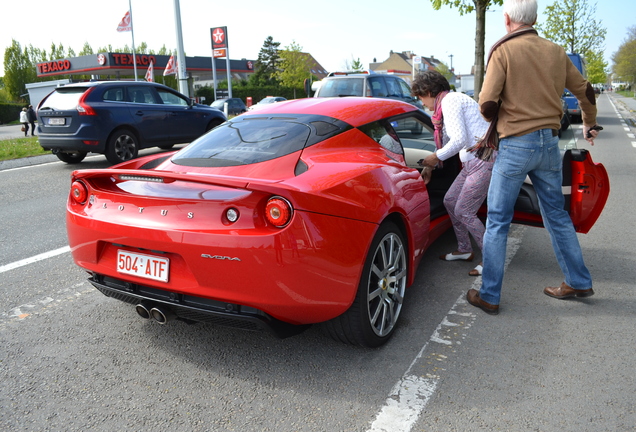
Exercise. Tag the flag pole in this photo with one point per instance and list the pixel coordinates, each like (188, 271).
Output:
(132, 32)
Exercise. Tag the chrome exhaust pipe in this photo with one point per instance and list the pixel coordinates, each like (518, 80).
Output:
(143, 310)
(162, 316)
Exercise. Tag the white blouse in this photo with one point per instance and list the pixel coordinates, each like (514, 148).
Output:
(463, 126)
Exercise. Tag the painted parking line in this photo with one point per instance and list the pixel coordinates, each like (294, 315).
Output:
(44, 304)
(410, 395)
(34, 259)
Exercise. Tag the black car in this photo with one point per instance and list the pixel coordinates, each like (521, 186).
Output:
(119, 118)
(235, 106)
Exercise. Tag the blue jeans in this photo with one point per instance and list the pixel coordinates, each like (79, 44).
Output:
(537, 155)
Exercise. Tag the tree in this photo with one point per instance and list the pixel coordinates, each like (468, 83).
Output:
(86, 50)
(356, 65)
(624, 59)
(445, 70)
(266, 66)
(353, 65)
(571, 24)
(18, 70)
(480, 7)
(596, 67)
(293, 66)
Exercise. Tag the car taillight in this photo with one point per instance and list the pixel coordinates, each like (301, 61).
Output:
(82, 107)
(79, 193)
(278, 211)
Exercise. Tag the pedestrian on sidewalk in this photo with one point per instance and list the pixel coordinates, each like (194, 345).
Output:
(525, 78)
(24, 119)
(32, 118)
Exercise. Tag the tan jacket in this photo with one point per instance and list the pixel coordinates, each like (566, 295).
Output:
(528, 74)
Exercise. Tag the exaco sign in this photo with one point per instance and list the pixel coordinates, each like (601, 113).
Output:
(127, 59)
(54, 66)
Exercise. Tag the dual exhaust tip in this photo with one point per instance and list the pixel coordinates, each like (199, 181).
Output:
(160, 314)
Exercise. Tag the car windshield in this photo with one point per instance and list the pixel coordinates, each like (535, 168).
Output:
(245, 142)
(63, 98)
(338, 87)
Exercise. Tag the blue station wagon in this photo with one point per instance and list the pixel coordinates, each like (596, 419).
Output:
(119, 118)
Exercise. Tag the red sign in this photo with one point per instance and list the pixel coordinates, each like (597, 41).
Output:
(219, 37)
(54, 66)
(127, 59)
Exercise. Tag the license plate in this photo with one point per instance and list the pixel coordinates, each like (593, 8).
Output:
(145, 266)
(57, 121)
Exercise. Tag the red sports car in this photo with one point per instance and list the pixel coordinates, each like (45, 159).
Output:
(308, 211)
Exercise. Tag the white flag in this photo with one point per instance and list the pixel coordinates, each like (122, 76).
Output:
(125, 25)
(171, 67)
(150, 73)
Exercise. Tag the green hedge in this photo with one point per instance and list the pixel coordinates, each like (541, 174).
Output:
(10, 112)
(256, 93)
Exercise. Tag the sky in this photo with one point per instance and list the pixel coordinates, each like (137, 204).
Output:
(334, 32)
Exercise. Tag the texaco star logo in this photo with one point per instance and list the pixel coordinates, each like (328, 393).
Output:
(101, 59)
(218, 35)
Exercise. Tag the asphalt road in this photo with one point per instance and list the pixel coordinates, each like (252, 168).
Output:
(73, 359)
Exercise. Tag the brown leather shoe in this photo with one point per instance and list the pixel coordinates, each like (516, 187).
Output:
(472, 296)
(564, 291)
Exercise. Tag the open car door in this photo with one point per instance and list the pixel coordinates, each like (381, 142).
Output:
(585, 183)
(585, 188)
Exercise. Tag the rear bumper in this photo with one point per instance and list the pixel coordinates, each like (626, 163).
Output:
(190, 308)
(292, 275)
(71, 142)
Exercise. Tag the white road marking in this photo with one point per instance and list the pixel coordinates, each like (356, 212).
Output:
(410, 395)
(634, 144)
(35, 307)
(44, 164)
(34, 259)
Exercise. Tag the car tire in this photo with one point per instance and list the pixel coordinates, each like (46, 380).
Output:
(371, 319)
(122, 146)
(71, 158)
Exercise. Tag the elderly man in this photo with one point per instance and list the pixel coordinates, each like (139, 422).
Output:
(521, 93)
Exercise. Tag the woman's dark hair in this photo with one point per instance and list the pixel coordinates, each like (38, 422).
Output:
(429, 82)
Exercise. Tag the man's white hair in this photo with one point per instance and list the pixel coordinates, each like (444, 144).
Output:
(521, 11)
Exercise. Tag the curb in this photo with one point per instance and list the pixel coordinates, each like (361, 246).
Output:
(27, 161)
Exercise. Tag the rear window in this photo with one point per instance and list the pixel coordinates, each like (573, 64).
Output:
(245, 142)
(218, 104)
(339, 87)
(63, 99)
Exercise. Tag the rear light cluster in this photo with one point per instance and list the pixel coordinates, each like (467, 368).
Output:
(278, 211)
(82, 107)
(79, 192)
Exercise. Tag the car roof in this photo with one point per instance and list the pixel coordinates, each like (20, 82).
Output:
(120, 83)
(355, 111)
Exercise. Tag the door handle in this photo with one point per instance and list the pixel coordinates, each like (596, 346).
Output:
(139, 113)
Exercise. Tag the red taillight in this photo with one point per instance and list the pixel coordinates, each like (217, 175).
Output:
(79, 193)
(82, 107)
(278, 211)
